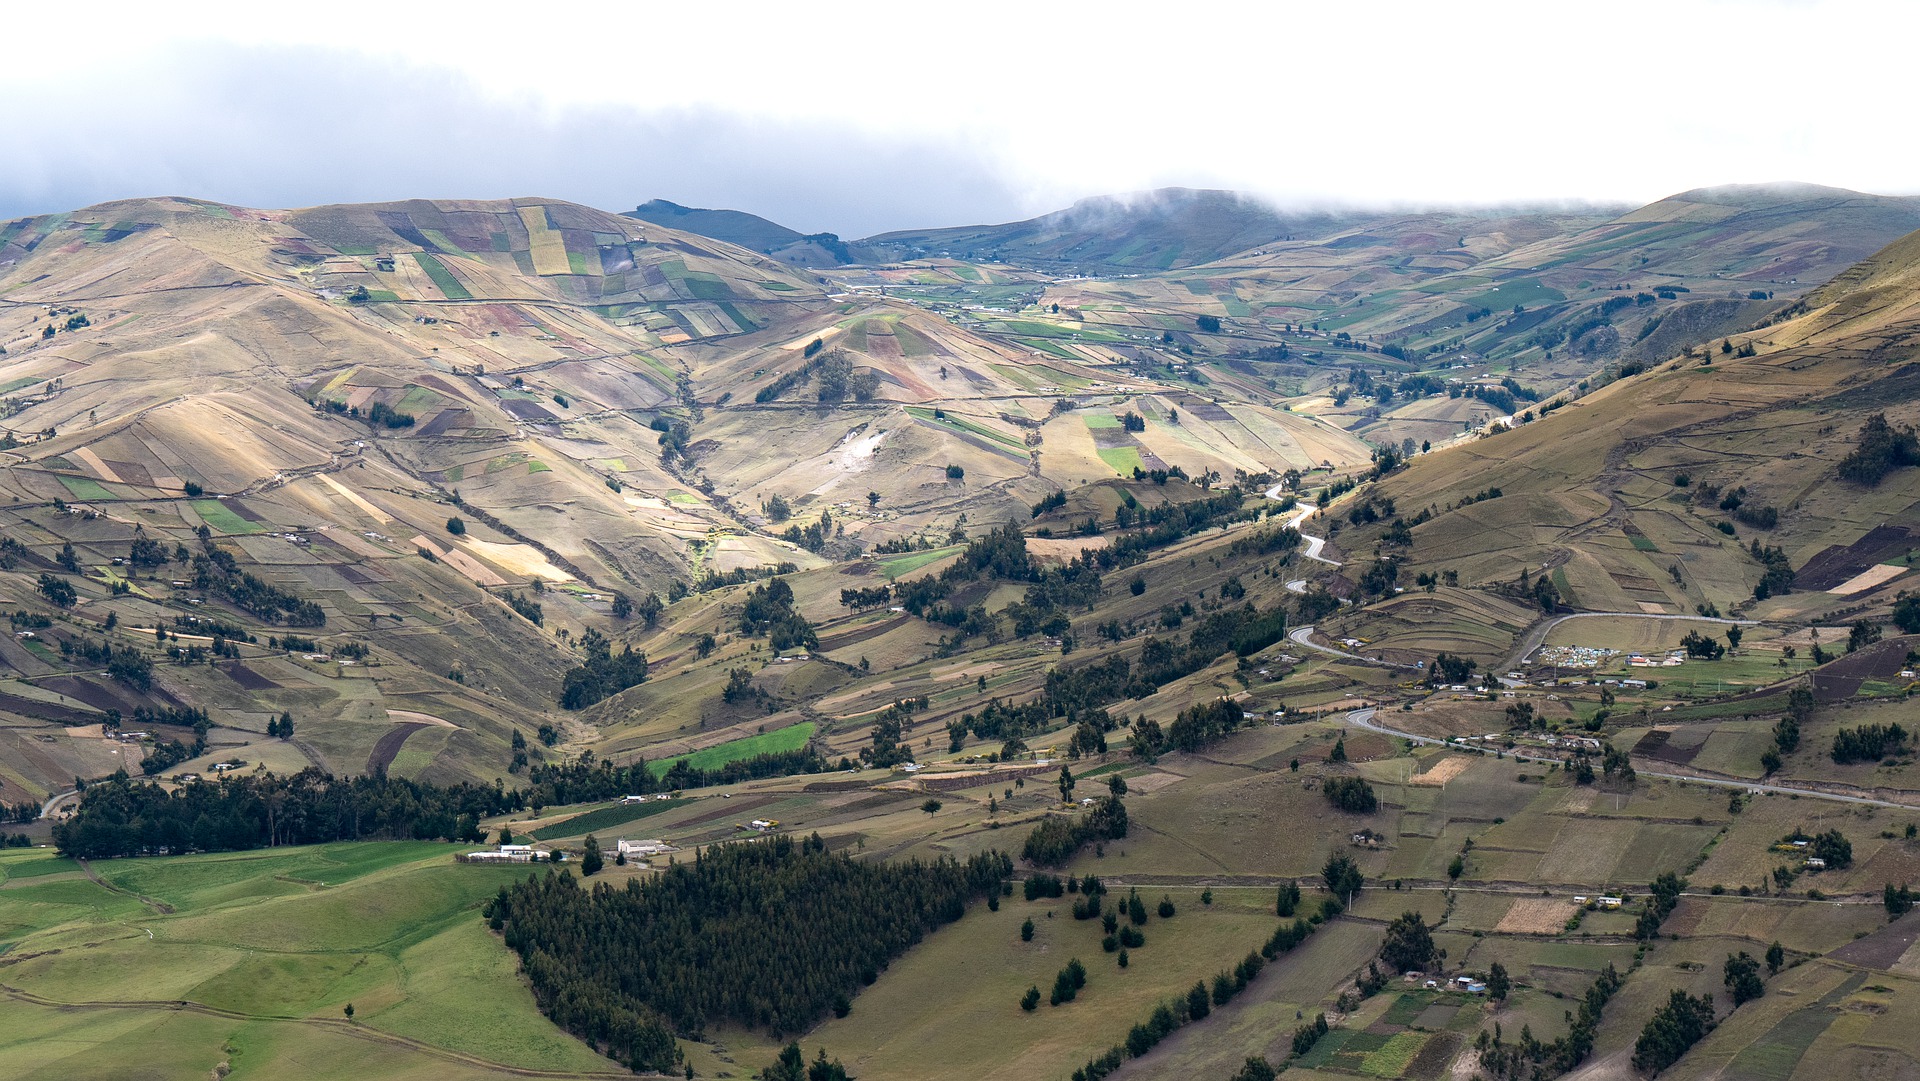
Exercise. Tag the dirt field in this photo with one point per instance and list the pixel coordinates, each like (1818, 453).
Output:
(1536, 916)
(1443, 771)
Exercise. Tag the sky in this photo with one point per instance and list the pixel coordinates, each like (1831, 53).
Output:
(858, 118)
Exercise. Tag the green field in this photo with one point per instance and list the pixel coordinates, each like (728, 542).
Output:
(218, 516)
(87, 488)
(1049, 347)
(908, 562)
(791, 738)
(278, 942)
(442, 277)
(1124, 460)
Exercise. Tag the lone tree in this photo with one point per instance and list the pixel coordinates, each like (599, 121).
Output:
(456, 526)
(1498, 983)
(348, 1011)
(591, 863)
(1343, 878)
(932, 806)
(1409, 944)
(1742, 977)
(1066, 784)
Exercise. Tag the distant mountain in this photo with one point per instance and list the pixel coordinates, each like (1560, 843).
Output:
(1157, 230)
(747, 230)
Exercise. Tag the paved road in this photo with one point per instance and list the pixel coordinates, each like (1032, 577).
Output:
(1303, 637)
(1363, 718)
(1531, 641)
(47, 807)
(1303, 511)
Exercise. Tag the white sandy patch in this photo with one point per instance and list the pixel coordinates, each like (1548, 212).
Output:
(853, 454)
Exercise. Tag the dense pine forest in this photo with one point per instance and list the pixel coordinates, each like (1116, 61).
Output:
(771, 934)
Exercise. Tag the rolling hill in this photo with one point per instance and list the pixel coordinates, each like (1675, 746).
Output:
(1684, 487)
(749, 231)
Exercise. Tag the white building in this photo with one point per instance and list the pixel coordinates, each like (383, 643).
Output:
(642, 849)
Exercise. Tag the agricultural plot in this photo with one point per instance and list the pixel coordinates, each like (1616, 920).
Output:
(606, 819)
(907, 562)
(443, 279)
(281, 941)
(218, 516)
(917, 1026)
(790, 738)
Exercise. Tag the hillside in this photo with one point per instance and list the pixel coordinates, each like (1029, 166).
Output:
(321, 397)
(1652, 492)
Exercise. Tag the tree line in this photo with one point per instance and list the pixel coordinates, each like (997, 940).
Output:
(123, 817)
(119, 817)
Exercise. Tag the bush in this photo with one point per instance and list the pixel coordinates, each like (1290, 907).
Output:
(1351, 794)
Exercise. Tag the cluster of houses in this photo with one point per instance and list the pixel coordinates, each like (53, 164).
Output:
(1551, 741)
(1463, 984)
(1603, 902)
(1573, 656)
(1670, 660)
(517, 853)
(1812, 863)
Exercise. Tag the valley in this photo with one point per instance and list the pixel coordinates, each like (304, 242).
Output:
(1331, 612)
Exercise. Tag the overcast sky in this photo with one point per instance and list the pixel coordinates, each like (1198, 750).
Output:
(857, 118)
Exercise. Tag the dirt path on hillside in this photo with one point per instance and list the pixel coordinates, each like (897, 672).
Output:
(160, 907)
